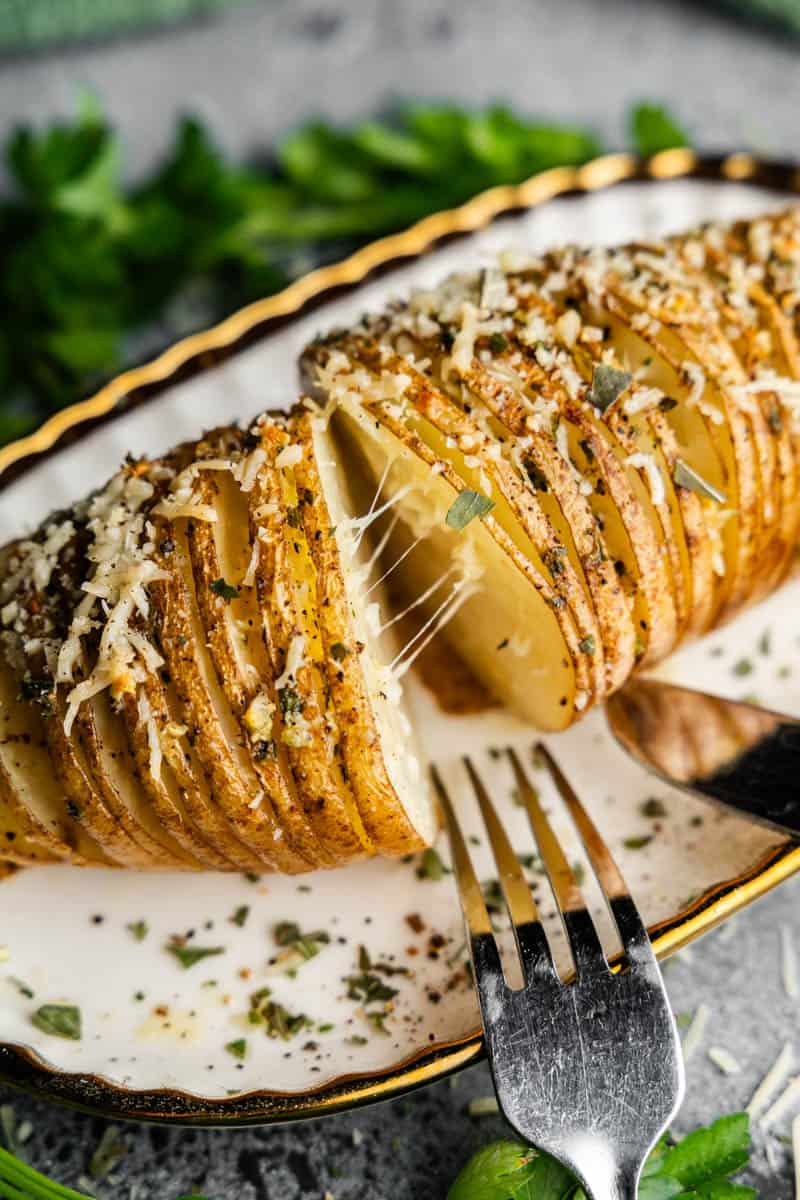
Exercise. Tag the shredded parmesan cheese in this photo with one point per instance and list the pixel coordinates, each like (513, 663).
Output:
(772, 1080)
(655, 481)
(694, 1034)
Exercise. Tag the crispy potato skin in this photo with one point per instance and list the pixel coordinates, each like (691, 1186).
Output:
(206, 613)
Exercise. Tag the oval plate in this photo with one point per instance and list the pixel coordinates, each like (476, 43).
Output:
(156, 1041)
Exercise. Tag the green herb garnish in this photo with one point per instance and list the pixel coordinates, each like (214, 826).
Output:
(188, 955)
(743, 667)
(653, 807)
(278, 1022)
(339, 651)
(466, 507)
(587, 645)
(637, 843)
(684, 476)
(700, 1165)
(226, 590)
(237, 1048)
(608, 384)
(305, 945)
(59, 1020)
(87, 261)
(289, 701)
(239, 915)
(654, 130)
(430, 866)
(138, 930)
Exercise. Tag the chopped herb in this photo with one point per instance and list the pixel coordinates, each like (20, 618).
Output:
(653, 807)
(493, 896)
(304, 945)
(293, 518)
(339, 651)
(278, 1022)
(579, 871)
(23, 988)
(108, 1154)
(685, 477)
(638, 843)
(775, 420)
(289, 701)
(265, 749)
(251, 877)
(587, 645)
(765, 643)
(226, 590)
(59, 1020)
(743, 667)
(356, 1040)
(466, 507)
(430, 866)
(237, 1048)
(138, 930)
(667, 403)
(608, 384)
(497, 343)
(326, 1027)
(188, 955)
(368, 988)
(239, 915)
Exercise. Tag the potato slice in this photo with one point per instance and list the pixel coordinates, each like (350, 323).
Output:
(766, 344)
(477, 459)
(307, 778)
(179, 791)
(378, 748)
(36, 822)
(742, 440)
(204, 709)
(526, 615)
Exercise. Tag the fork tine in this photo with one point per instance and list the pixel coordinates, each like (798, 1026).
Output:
(532, 944)
(633, 934)
(587, 952)
(489, 977)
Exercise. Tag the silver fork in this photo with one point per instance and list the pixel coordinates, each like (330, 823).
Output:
(590, 1070)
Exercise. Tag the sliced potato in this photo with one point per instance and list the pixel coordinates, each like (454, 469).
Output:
(378, 749)
(526, 616)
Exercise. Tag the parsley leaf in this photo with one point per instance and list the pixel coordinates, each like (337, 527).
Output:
(700, 1165)
(86, 262)
(226, 590)
(653, 130)
(59, 1020)
(188, 955)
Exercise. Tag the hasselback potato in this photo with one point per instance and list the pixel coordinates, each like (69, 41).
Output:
(564, 464)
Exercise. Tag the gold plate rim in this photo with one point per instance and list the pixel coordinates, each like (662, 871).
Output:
(21, 1067)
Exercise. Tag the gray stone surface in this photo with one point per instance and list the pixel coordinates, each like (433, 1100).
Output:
(252, 75)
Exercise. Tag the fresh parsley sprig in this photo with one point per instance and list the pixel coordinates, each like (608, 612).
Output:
(94, 274)
(698, 1167)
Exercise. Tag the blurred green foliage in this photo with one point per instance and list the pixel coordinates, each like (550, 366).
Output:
(86, 262)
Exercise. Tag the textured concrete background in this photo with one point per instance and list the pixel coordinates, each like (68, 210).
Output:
(252, 75)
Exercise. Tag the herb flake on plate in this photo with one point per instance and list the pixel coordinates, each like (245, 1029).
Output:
(59, 1020)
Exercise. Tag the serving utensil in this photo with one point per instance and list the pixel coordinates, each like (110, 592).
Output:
(734, 753)
(588, 1070)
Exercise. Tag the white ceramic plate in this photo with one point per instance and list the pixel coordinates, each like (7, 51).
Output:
(154, 1034)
